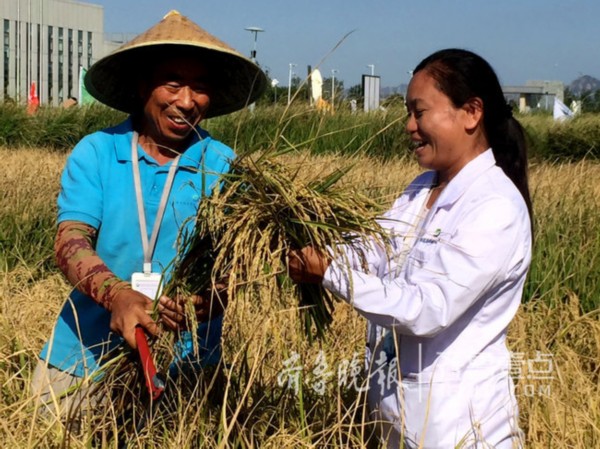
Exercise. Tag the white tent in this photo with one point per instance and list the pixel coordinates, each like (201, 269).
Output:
(561, 111)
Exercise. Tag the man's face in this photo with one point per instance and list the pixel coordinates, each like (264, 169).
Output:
(176, 99)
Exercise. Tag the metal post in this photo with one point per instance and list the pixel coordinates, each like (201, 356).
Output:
(274, 83)
(290, 82)
(254, 30)
(333, 72)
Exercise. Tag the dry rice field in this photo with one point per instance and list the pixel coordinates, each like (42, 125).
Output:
(555, 338)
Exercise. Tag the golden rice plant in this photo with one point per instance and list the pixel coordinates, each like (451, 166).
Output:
(560, 412)
(263, 208)
(260, 212)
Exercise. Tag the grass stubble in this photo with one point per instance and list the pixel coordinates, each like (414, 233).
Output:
(252, 402)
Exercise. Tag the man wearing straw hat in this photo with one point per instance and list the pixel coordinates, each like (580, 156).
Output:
(128, 191)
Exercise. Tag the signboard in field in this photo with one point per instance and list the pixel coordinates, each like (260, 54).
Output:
(370, 84)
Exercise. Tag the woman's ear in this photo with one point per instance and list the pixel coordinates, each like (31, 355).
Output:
(474, 113)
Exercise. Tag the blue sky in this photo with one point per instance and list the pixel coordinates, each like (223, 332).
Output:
(522, 39)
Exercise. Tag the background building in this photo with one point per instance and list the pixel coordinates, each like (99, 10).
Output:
(535, 95)
(44, 45)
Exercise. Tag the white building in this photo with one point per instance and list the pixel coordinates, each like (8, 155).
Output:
(46, 42)
(535, 95)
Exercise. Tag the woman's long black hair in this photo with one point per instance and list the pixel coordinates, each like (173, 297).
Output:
(463, 75)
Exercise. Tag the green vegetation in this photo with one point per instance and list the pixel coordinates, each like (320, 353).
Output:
(380, 134)
(54, 128)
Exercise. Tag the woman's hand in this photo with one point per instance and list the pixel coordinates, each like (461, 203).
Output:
(208, 305)
(307, 265)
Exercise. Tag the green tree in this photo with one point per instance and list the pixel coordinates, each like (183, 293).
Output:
(339, 88)
(569, 96)
(299, 91)
(590, 100)
(355, 92)
(394, 100)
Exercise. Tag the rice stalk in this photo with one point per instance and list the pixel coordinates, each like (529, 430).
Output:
(560, 317)
(261, 211)
(263, 208)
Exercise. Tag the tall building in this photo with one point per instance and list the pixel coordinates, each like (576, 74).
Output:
(44, 45)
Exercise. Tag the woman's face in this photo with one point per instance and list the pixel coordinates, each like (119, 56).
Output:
(175, 99)
(438, 129)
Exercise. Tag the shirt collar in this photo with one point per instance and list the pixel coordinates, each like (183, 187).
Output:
(191, 157)
(464, 178)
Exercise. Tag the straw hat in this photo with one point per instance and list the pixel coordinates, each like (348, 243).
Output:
(237, 81)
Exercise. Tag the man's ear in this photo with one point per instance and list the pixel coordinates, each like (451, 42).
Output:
(143, 91)
(474, 113)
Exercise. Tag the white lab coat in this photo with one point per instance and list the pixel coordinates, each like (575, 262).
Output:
(443, 301)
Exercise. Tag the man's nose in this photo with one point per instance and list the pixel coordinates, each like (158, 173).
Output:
(185, 98)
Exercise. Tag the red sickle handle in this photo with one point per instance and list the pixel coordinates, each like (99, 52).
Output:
(153, 383)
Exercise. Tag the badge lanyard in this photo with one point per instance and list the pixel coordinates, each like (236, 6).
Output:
(148, 246)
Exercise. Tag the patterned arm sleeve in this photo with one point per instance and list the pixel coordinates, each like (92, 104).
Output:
(78, 260)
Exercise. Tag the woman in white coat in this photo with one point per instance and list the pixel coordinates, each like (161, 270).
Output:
(439, 306)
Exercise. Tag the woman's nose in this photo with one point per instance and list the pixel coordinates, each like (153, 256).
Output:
(411, 124)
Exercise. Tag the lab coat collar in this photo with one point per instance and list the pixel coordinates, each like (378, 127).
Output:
(459, 184)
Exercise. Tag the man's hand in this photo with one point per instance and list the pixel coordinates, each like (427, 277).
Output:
(206, 306)
(130, 308)
(307, 265)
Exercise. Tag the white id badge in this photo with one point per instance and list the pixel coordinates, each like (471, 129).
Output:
(147, 283)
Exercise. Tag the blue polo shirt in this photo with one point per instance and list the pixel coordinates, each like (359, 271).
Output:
(97, 189)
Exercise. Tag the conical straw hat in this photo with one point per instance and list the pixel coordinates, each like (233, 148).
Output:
(114, 79)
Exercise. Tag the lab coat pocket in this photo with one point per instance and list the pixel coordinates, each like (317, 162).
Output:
(419, 256)
(433, 410)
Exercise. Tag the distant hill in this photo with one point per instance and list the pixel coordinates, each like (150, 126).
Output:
(385, 92)
(584, 84)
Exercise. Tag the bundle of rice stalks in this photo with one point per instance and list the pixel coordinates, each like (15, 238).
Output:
(262, 210)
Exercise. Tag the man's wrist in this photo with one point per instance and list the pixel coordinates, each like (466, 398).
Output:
(108, 290)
